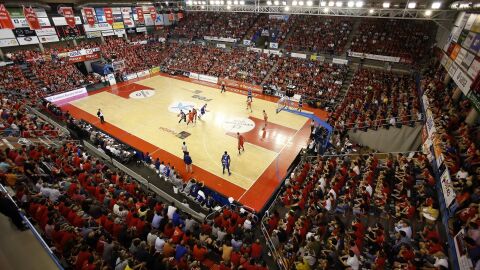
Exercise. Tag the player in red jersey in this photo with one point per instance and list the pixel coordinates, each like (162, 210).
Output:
(241, 140)
(194, 111)
(190, 117)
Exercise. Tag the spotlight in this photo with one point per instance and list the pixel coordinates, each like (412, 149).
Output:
(412, 5)
(436, 5)
(386, 5)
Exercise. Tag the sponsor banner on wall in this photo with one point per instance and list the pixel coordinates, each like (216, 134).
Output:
(299, 55)
(94, 34)
(108, 33)
(374, 57)
(119, 32)
(278, 17)
(143, 73)
(468, 40)
(108, 15)
(27, 40)
(69, 16)
(66, 32)
(89, 14)
(67, 95)
(231, 40)
(475, 46)
(31, 17)
(24, 32)
(47, 39)
(461, 250)
(276, 52)
(5, 19)
(463, 81)
(118, 25)
(430, 124)
(340, 61)
(60, 21)
(8, 42)
(221, 45)
(131, 76)
(117, 18)
(258, 50)
(467, 61)
(474, 69)
(46, 31)
(6, 33)
(273, 45)
(22, 22)
(97, 27)
(242, 85)
(207, 78)
(82, 55)
(470, 21)
(154, 70)
(452, 69)
(193, 75)
(461, 55)
(141, 29)
(447, 188)
(247, 42)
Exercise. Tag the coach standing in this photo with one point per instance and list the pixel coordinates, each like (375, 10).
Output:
(100, 115)
(226, 163)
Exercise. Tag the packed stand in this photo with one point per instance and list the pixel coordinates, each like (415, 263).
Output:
(13, 79)
(320, 219)
(97, 218)
(231, 25)
(195, 25)
(274, 27)
(316, 81)
(377, 99)
(460, 149)
(319, 34)
(194, 58)
(408, 39)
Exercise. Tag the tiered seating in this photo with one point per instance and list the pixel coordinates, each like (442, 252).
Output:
(195, 25)
(243, 66)
(460, 148)
(312, 79)
(194, 58)
(277, 28)
(231, 25)
(377, 99)
(406, 39)
(13, 79)
(98, 218)
(326, 200)
(319, 34)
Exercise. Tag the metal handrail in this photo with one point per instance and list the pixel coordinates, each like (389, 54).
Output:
(279, 259)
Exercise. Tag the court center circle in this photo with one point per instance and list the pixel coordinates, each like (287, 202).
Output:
(142, 94)
(238, 124)
(185, 106)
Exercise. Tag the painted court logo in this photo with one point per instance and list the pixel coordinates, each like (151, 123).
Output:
(142, 94)
(182, 105)
(238, 124)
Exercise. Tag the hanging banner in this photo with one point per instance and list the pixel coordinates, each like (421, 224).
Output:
(153, 13)
(140, 14)
(69, 17)
(89, 16)
(108, 15)
(5, 19)
(32, 19)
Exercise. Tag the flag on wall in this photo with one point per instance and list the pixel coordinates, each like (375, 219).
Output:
(89, 16)
(108, 15)
(5, 19)
(153, 13)
(140, 14)
(32, 19)
(69, 16)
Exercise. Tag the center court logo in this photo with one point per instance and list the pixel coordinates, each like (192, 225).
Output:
(142, 94)
(185, 106)
(238, 124)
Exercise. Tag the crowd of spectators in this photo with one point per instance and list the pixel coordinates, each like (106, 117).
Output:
(195, 25)
(459, 144)
(408, 39)
(320, 219)
(12, 78)
(319, 34)
(274, 27)
(314, 80)
(377, 98)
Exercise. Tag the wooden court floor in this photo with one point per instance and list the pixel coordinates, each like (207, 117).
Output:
(144, 114)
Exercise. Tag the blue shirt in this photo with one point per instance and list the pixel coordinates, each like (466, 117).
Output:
(226, 159)
(180, 251)
(187, 159)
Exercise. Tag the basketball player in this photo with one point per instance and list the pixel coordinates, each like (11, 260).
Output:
(194, 111)
(100, 115)
(249, 104)
(183, 117)
(226, 163)
(203, 110)
(241, 140)
(249, 95)
(300, 104)
(190, 117)
(224, 89)
(265, 118)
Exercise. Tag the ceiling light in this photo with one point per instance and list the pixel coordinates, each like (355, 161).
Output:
(235, 2)
(331, 4)
(242, 2)
(339, 4)
(350, 4)
(229, 7)
(203, 7)
(412, 5)
(309, 3)
(287, 8)
(300, 3)
(386, 5)
(276, 2)
(436, 5)
(269, 3)
(428, 13)
(294, 3)
(284, 3)
(371, 11)
(323, 3)
(229, 2)
(325, 10)
(359, 4)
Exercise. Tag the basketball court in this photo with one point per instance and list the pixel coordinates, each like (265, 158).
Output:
(144, 114)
